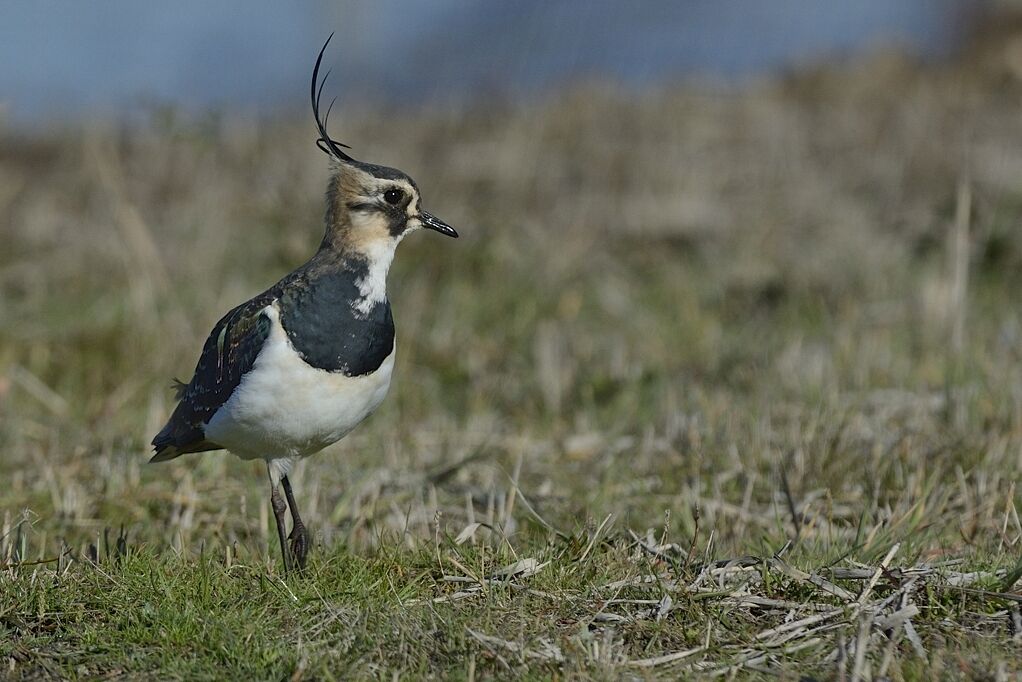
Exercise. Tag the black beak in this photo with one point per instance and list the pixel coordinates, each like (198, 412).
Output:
(431, 222)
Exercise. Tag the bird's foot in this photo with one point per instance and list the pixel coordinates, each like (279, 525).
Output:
(299, 538)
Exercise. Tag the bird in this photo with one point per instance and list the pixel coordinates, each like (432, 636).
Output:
(296, 368)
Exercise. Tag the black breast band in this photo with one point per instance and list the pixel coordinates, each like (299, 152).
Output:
(321, 321)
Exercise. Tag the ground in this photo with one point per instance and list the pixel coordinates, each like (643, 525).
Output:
(715, 381)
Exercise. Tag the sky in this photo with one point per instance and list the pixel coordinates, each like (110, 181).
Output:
(69, 60)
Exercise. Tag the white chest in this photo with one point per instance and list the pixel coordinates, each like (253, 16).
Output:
(285, 407)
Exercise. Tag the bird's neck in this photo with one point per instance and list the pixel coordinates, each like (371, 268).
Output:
(368, 262)
(376, 258)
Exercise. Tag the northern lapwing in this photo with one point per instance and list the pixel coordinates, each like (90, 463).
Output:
(294, 369)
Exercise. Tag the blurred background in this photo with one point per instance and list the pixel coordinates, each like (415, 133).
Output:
(704, 243)
(113, 58)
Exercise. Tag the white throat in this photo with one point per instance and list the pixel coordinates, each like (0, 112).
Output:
(373, 286)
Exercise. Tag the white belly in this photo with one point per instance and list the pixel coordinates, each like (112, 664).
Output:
(284, 407)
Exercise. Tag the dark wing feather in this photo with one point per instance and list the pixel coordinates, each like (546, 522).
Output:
(228, 354)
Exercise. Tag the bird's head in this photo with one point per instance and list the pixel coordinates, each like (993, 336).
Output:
(369, 207)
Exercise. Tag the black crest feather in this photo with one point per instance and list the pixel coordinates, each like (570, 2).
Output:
(325, 142)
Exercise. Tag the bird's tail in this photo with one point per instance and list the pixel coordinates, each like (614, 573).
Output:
(165, 445)
(169, 444)
(165, 454)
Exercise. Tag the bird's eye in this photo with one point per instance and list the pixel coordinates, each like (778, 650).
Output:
(393, 196)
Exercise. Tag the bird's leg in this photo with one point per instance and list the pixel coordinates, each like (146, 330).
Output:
(279, 507)
(299, 535)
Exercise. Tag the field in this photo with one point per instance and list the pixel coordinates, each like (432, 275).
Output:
(715, 382)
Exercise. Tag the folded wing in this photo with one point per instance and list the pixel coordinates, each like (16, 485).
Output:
(228, 354)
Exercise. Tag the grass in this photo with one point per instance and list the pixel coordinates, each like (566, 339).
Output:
(715, 382)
